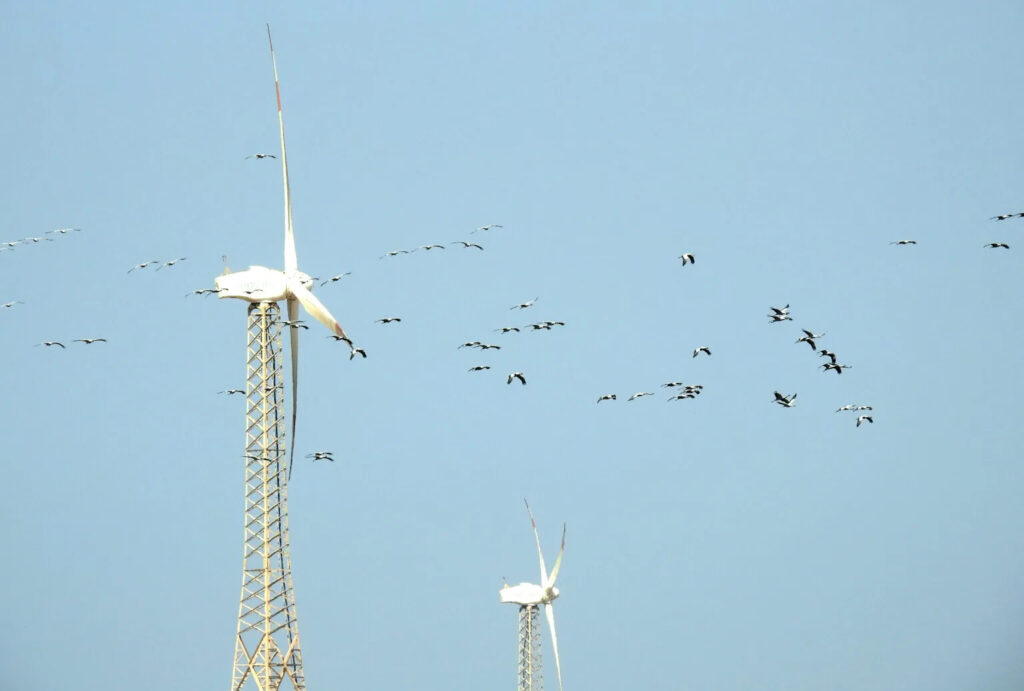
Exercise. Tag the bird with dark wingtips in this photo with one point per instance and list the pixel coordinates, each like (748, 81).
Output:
(702, 349)
(995, 245)
(785, 401)
(864, 418)
(607, 397)
(686, 258)
(517, 375)
(1003, 217)
(258, 156)
(89, 341)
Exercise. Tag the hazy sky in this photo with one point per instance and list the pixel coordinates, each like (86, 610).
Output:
(723, 543)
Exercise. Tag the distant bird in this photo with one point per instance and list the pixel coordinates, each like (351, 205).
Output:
(834, 366)
(487, 346)
(342, 338)
(171, 262)
(471, 344)
(467, 245)
(1003, 217)
(862, 418)
(539, 326)
(12, 303)
(863, 407)
(702, 349)
(683, 395)
(772, 318)
(261, 156)
(780, 310)
(478, 368)
(554, 323)
(392, 253)
(431, 247)
(524, 305)
(686, 259)
(64, 231)
(295, 324)
(143, 265)
(607, 397)
(506, 329)
(639, 394)
(321, 456)
(998, 244)
(335, 279)
(231, 392)
(356, 351)
(846, 407)
(387, 320)
(517, 375)
(202, 291)
(808, 341)
(785, 401)
(50, 343)
(827, 353)
(488, 227)
(903, 242)
(89, 341)
(10, 244)
(34, 240)
(811, 334)
(673, 383)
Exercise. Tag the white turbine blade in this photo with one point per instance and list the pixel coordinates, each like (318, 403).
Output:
(313, 306)
(558, 561)
(293, 314)
(291, 262)
(549, 612)
(540, 555)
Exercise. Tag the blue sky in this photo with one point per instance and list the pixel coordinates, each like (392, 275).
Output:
(720, 543)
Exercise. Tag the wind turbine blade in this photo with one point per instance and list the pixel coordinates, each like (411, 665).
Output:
(549, 612)
(293, 314)
(291, 262)
(313, 306)
(540, 555)
(558, 561)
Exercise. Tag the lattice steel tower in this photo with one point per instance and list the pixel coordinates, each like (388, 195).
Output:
(267, 651)
(530, 677)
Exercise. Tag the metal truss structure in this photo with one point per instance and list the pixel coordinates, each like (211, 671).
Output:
(530, 677)
(267, 652)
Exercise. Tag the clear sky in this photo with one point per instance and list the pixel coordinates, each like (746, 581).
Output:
(722, 543)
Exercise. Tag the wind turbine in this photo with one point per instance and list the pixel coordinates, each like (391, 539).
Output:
(267, 643)
(529, 597)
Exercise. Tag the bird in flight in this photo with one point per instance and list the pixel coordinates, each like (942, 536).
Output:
(1003, 217)
(834, 366)
(294, 323)
(89, 341)
(780, 310)
(431, 247)
(467, 245)
(335, 279)
(517, 375)
(639, 394)
(387, 320)
(231, 392)
(143, 265)
(506, 329)
(50, 343)
(809, 340)
(64, 231)
(488, 346)
(202, 291)
(684, 395)
(773, 318)
(702, 349)
(864, 418)
(321, 456)
(607, 397)
(12, 303)
(998, 244)
(261, 156)
(903, 242)
(827, 353)
(478, 368)
(524, 305)
(342, 338)
(686, 258)
(845, 408)
(356, 351)
(392, 253)
(471, 344)
(489, 226)
(171, 262)
(785, 401)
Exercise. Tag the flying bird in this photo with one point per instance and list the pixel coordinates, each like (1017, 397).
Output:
(471, 344)
(467, 245)
(89, 341)
(478, 368)
(702, 349)
(998, 244)
(335, 279)
(846, 407)
(683, 395)
(903, 242)
(863, 407)
(143, 265)
(834, 366)
(506, 329)
(387, 320)
(827, 353)
(12, 303)
(50, 343)
(202, 291)
(171, 262)
(517, 375)
(772, 318)
(489, 226)
(342, 338)
(294, 323)
(808, 340)
(607, 397)
(64, 231)
(785, 401)
(639, 394)
(863, 418)
(431, 247)
(487, 346)
(321, 456)
(231, 392)
(261, 156)
(780, 310)
(392, 253)
(1003, 217)
(356, 351)
(686, 259)
(524, 305)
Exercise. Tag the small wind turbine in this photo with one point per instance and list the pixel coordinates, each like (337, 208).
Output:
(529, 596)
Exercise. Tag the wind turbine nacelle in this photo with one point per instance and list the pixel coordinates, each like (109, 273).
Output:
(258, 284)
(526, 594)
